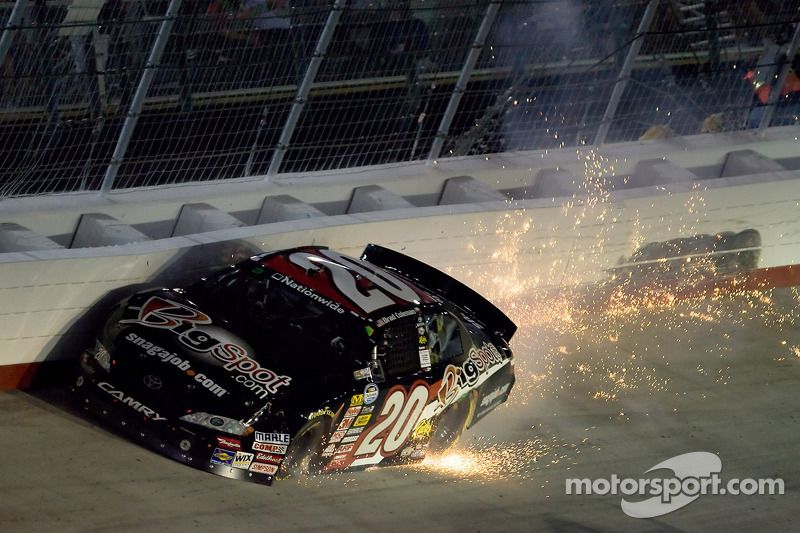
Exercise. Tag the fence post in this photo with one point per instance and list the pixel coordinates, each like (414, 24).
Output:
(775, 90)
(625, 73)
(8, 31)
(320, 50)
(463, 79)
(137, 101)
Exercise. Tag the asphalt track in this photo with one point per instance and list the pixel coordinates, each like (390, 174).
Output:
(602, 393)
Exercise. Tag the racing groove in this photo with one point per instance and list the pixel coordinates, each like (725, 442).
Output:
(601, 393)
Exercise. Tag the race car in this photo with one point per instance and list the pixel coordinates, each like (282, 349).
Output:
(664, 271)
(301, 361)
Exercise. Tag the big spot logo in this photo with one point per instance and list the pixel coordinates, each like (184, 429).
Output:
(480, 364)
(183, 321)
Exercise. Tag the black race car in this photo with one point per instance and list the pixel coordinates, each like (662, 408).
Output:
(301, 361)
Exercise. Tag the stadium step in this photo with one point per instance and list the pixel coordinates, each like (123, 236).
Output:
(98, 229)
(285, 207)
(16, 238)
(744, 162)
(375, 198)
(649, 172)
(202, 217)
(468, 190)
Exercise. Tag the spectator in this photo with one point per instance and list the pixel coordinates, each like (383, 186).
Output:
(401, 40)
(789, 94)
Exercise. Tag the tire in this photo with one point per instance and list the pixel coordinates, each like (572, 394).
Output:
(449, 425)
(304, 456)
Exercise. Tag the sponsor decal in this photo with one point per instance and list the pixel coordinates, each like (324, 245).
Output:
(370, 393)
(423, 430)
(394, 316)
(242, 460)
(183, 321)
(456, 379)
(208, 383)
(263, 468)
(362, 420)
(165, 356)
(129, 401)
(344, 448)
(355, 431)
(269, 458)
(357, 399)
(269, 448)
(223, 457)
(325, 411)
(351, 438)
(345, 423)
(230, 444)
(337, 436)
(425, 359)
(367, 410)
(418, 453)
(362, 373)
(353, 411)
(338, 462)
(306, 291)
(327, 452)
(272, 438)
(494, 395)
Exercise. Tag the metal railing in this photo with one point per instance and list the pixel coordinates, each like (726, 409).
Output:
(100, 95)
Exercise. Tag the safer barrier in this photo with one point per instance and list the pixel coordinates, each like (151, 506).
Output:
(52, 301)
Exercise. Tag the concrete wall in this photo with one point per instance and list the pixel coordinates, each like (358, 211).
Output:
(53, 300)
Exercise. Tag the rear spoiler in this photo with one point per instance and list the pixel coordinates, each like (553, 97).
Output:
(439, 283)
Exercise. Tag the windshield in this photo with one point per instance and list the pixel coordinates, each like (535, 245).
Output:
(278, 319)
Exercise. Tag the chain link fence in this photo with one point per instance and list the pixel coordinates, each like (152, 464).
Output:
(108, 94)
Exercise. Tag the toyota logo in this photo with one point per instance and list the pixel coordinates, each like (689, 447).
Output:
(152, 382)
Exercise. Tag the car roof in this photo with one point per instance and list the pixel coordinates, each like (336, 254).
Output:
(339, 281)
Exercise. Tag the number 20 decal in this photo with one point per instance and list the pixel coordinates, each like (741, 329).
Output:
(400, 414)
(342, 269)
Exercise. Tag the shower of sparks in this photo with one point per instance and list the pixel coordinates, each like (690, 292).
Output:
(512, 460)
(615, 337)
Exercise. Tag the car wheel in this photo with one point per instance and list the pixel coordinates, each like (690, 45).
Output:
(449, 425)
(304, 456)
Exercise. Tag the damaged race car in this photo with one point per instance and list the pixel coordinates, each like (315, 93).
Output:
(301, 361)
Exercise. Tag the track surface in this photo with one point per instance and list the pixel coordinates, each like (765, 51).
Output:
(612, 394)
